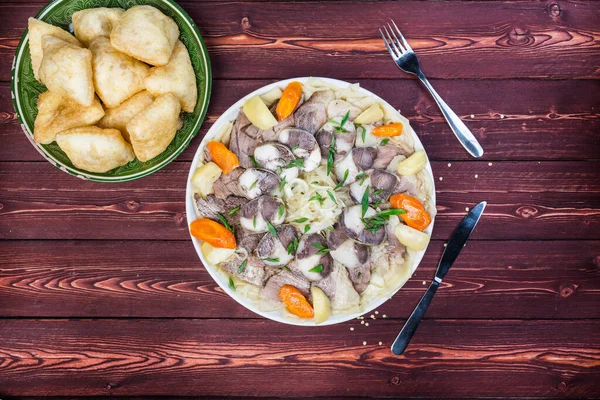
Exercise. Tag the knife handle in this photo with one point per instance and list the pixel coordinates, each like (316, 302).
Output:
(410, 327)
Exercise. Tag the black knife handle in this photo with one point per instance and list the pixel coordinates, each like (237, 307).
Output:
(410, 327)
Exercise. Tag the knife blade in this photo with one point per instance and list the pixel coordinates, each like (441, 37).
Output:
(456, 243)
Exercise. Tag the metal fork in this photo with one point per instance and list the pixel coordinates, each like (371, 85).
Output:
(406, 59)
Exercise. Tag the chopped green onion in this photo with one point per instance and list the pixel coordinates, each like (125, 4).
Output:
(363, 134)
(359, 274)
(301, 220)
(318, 268)
(384, 142)
(231, 284)
(282, 184)
(345, 119)
(361, 177)
(254, 161)
(365, 201)
(306, 228)
(331, 196)
(272, 229)
(293, 247)
(297, 162)
(254, 221)
(253, 185)
(242, 266)
(224, 222)
(317, 197)
(322, 249)
(280, 211)
(271, 259)
(341, 183)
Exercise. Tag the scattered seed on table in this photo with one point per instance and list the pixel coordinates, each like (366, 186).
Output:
(476, 176)
(351, 328)
(364, 343)
(490, 164)
(376, 312)
(466, 208)
(366, 324)
(384, 316)
(449, 165)
(362, 322)
(472, 116)
(424, 282)
(441, 178)
(501, 115)
(380, 343)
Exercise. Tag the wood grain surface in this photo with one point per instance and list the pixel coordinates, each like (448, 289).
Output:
(102, 293)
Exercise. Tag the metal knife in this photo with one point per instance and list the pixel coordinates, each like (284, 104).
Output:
(455, 244)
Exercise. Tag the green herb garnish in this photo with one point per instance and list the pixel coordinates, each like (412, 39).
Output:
(361, 177)
(345, 119)
(377, 221)
(293, 246)
(314, 183)
(234, 210)
(318, 268)
(242, 266)
(296, 162)
(331, 196)
(359, 274)
(282, 184)
(254, 221)
(272, 229)
(306, 228)
(225, 223)
(363, 134)
(318, 198)
(384, 142)
(331, 155)
(341, 183)
(254, 161)
(253, 185)
(231, 284)
(301, 220)
(322, 249)
(271, 259)
(280, 211)
(365, 201)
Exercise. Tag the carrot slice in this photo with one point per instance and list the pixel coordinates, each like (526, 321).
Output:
(416, 216)
(223, 157)
(289, 100)
(394, 129)
(213, 233)
(295, 302)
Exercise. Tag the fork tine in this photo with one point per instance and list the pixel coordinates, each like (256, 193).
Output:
(396, 40)
(394, 56)
(402, 37)
(398, 51)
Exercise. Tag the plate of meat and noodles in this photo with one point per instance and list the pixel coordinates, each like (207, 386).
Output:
(310, 201)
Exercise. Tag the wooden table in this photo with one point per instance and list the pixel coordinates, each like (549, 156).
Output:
(101, 292)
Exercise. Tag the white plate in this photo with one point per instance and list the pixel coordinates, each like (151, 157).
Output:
(230, 115)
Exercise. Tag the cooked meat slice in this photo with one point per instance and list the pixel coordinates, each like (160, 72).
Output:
(344, 138)
(271, 289)
(277, 158)
(364, 157)
(273, 251)
(244, 139)
(312, 255)
(338, 287)
(406, 185)
(211, 206)
(311, 115)
(382, 184)
(272, 135)
(229, 184)
(346, 251)
(256, 182)
(360, 277)
(254, 272)
(352, 223)
(303, 145)
(255, 214)
(339, 108)
(385, 155)
(246, 239)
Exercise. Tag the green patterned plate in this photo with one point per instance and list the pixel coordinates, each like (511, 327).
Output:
(26, 89)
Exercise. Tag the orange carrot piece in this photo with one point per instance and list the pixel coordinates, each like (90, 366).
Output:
(295, 302)
(394, 129)
(416, 216)
(223, 157)
(213, 233)
(289, 100)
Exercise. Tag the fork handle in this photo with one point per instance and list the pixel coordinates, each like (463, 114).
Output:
(412, 323)
(463, 134)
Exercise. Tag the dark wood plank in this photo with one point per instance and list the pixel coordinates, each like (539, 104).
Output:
(523, 120)
(453, 39)
(527, 201)
(166, 279)
(262, 358)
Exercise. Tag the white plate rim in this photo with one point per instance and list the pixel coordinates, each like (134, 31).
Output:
(276, 315)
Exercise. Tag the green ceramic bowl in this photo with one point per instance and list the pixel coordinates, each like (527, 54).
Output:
(26, 89)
